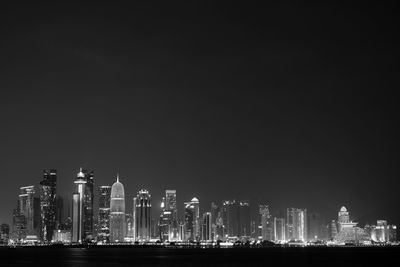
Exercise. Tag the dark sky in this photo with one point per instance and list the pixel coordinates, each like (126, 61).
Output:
(285, 104)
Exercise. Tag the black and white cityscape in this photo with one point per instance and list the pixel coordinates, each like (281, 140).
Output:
(199, 133)
(39, 219)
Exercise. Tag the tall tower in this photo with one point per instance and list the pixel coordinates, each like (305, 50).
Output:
(117, 212)
(206, 227)
(244, 218)
(26, 204)
(296, 222)
(265, 217)
(230, 217)
(192, 219)
(103, 234)
(142, 213)
(82, 200)
(48, 204)
(171, 207)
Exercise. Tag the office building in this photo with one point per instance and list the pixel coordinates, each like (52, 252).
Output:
(143, 214)
(48, 205)
(103, 232)
(296, 223)
(206, 227)
(192, 220)
(279, 229)
(117, 212)
(82, 199)
(26, 205)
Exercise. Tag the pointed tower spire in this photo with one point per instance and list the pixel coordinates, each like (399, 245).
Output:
(117, 177)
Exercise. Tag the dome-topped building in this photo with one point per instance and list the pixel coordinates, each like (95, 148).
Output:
(117, 212)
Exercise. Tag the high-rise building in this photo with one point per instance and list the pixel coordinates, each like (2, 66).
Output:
(18, 233)
(164, 222)
(244, 218)
(103, 232)
(279, 229)
(117, 212)
(26, 205)
(82, 226)
(296, 223)
(230, 216)
(265, 220)
(170, 203)
(171, 206)
(4, 233)
(192, 220)
(206, 227)
(48, 205)
(143, 215)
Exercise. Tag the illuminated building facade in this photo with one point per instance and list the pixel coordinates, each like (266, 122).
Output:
(230, 216)
(171, 206)
(206, 227)
(192, 220)
(265, 223)
(82, 201)
(26, 205)
(103, 232)
(143, 214)
(48, 205)
(279, 229)
(296, 224)
(117, 212)
(382, 232)
(164, 222)
(244, 218)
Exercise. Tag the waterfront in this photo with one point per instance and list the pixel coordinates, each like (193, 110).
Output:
(119, 256)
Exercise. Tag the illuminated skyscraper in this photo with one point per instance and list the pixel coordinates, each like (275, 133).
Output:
(26, 204)
(296, 223)
(279, 229)
(82, 199)
(206, 227)
(265, 218)
(230, 216)
(244, 218)
(103, 234)
(170, 205)
(117, 212)
(48, 204)
(164, 222)
(192, 219)
(129, 226)
(143, 214)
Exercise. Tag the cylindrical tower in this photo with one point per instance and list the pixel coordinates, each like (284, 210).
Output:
(117, 213)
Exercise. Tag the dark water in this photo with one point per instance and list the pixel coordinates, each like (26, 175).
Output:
(378, 256)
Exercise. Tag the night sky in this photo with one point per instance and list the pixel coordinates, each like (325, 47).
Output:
(292, 105)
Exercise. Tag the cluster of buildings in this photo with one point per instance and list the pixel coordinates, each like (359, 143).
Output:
(39, 219)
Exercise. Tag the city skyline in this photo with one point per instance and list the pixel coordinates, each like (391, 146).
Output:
(289, 105)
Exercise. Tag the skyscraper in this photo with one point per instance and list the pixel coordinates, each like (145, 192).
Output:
(103, 234)
(143, 209)
(206, 227)
(164, 222)
(82, 220)
(26, 205)
(244, 218)
(279, 229)
(230, 217)
(171, 206)
(192, 219)
(48, 204)
(296, 222)
(117, 212)
(264, 222)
